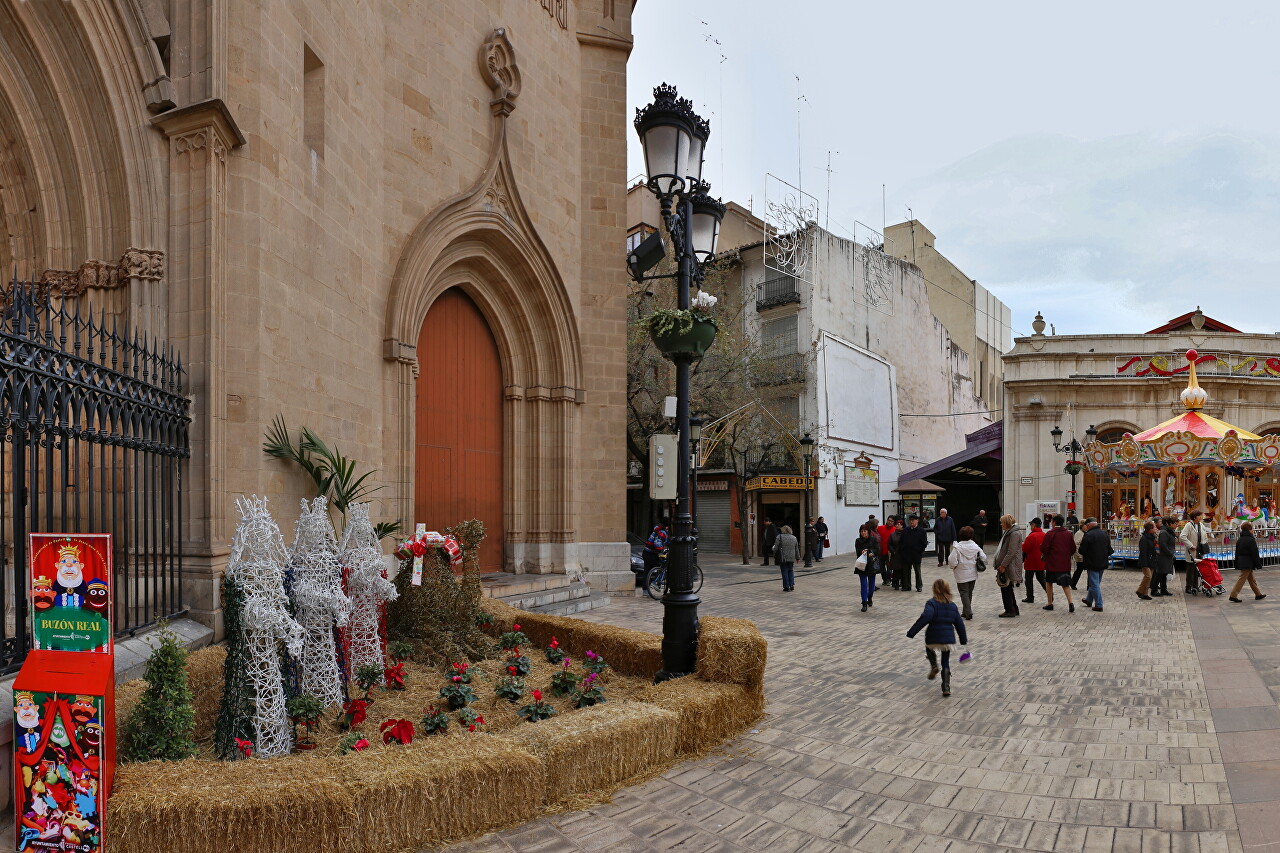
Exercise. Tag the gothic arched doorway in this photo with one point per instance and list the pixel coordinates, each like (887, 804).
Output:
(458, 465)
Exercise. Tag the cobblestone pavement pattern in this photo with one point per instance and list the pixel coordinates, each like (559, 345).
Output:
(1066, 732)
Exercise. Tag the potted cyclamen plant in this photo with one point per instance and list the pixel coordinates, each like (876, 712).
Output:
(688, 332)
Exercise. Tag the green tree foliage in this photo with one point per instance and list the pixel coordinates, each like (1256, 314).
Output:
(162, 724)
(235, 715)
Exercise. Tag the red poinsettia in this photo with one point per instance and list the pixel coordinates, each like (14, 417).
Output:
(395, 676)
(245, 747)
(360, 744)
(537, 695)
(400, 731)
(354, 713)
(555, 644)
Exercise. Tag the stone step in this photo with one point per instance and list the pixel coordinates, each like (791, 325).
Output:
(505, 585)
(574, 605)
(543, 598)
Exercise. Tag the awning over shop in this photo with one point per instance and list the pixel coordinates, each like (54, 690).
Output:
(980, 462)
(915, 487)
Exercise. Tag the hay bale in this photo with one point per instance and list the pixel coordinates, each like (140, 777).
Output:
(385, 798)
(204, 674)
(599, 747)
(709, 713)
(628, 651)
(732, 651)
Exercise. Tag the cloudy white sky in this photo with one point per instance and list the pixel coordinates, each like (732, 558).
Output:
(1112, 164)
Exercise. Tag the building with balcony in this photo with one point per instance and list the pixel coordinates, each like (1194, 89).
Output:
(889, 394)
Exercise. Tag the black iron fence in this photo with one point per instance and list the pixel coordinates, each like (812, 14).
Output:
(780, 290)
(94, 423)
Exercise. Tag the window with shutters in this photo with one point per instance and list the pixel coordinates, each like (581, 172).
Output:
(780, 336)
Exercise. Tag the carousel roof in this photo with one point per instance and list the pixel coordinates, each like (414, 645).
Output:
(1199, 425)
(1191, 438)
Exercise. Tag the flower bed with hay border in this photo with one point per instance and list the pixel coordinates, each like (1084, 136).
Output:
(444, 787)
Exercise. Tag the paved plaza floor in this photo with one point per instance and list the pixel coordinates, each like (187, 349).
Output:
(1151, 727)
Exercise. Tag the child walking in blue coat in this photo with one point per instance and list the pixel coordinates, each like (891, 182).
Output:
(943, 620)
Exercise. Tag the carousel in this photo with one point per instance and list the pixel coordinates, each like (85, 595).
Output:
(1192, 461)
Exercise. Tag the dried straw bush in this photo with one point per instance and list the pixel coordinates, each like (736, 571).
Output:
(732, 651)
(709, 713)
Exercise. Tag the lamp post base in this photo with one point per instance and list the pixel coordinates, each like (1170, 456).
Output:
(679, 635)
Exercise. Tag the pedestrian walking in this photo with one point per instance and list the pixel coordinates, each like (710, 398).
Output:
(1057, 550)
(893, 562)
(1095, 557)
(786, 550)
(1078, 536)
(944, 535)
(1032, 562)
(884, 531)
(820, 541)
(810, 541)
(979, 525)
(1195, 538)
(1247, 561)
(770, 534)
(1166, 557)
(911, 547)
(867, 550)
(654, 546)
(964, 561)
(1009, 565)
(1148, 548)
(941, 621)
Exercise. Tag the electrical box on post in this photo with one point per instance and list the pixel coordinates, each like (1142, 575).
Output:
(664, 461)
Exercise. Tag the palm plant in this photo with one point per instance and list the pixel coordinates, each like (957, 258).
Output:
(333, 474)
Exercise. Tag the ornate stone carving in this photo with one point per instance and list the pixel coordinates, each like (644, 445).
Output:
(142, 263)
(558, 9)
(198, 140)
(498, 65)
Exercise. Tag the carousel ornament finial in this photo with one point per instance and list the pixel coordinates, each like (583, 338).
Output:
(1193, 396)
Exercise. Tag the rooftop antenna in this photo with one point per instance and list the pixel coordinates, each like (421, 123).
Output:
(829, 153)
(800, 100)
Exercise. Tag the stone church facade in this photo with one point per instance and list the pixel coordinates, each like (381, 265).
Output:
(284, 191)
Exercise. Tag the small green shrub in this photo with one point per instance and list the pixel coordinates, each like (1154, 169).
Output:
(162, 724)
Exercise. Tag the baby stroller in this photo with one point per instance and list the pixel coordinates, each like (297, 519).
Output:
(1210, 577)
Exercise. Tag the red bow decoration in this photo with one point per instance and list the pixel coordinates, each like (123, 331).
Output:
(400, 731)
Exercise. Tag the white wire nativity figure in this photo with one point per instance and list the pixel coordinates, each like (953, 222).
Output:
(257, 563)
(318, 601)
(368, 587)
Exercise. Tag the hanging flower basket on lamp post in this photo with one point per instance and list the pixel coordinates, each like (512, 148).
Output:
(1073, 468)
(676, 332)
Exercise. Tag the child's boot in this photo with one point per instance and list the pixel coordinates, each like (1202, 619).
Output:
(946, 682)
(933, 664)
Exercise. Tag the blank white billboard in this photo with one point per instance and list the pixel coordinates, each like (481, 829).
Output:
(859, 391)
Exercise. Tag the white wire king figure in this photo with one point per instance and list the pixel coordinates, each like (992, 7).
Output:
(318, 600)
(369, 590)
(257, 563)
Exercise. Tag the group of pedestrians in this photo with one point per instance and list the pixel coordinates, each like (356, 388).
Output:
(891, 551)
(1158, 556)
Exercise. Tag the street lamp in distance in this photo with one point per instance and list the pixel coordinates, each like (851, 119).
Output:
(807, 444)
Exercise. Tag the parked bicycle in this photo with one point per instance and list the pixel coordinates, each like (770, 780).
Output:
(655, 580)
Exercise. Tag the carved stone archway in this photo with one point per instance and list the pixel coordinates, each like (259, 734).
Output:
(484, 242)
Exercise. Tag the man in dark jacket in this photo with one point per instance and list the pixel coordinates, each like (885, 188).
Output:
(1095, 556)
(1166, 557)
(820, 529)
(979, 525)
(770, 538)
(911, 548)
(944, 534)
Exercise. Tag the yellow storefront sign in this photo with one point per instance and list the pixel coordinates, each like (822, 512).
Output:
(756, 484)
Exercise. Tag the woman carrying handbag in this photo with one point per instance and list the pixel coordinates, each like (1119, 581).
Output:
(867, 547)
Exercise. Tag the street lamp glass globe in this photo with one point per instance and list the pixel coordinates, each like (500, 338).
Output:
(666, 128)
(707, 215)
(697, 148)
(1056, 432)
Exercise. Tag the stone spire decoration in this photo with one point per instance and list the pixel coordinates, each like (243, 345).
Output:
(369, 589)
(318, 600)
(257, 564)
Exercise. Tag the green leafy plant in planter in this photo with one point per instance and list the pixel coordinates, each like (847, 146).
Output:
(457, 695)
(680, 332)
(435, 721)
(513, 639)
(470, 718)
(352, 742)
(1073, 468)
(521, 663)
(564, 682)
(163, 723)
(368, 677)
(554, 653)
(510, 688)
(537, 709)
(594, 664)
(591, 693)
(304, 710)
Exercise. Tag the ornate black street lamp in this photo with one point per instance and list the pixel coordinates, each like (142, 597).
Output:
(674, 138)
(1074, 448)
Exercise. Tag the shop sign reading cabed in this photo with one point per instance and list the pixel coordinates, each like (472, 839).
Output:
(781, 483)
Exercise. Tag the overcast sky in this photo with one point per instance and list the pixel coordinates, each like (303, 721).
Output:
(1112, 164)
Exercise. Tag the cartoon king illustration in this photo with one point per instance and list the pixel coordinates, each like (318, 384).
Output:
(96, 597)
(70, 576)
(26, 713)
(42, 594)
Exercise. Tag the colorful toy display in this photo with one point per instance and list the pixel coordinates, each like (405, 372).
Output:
(64, 698)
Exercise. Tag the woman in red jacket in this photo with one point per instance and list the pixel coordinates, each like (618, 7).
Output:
(1057, 548)
(1032, 562)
